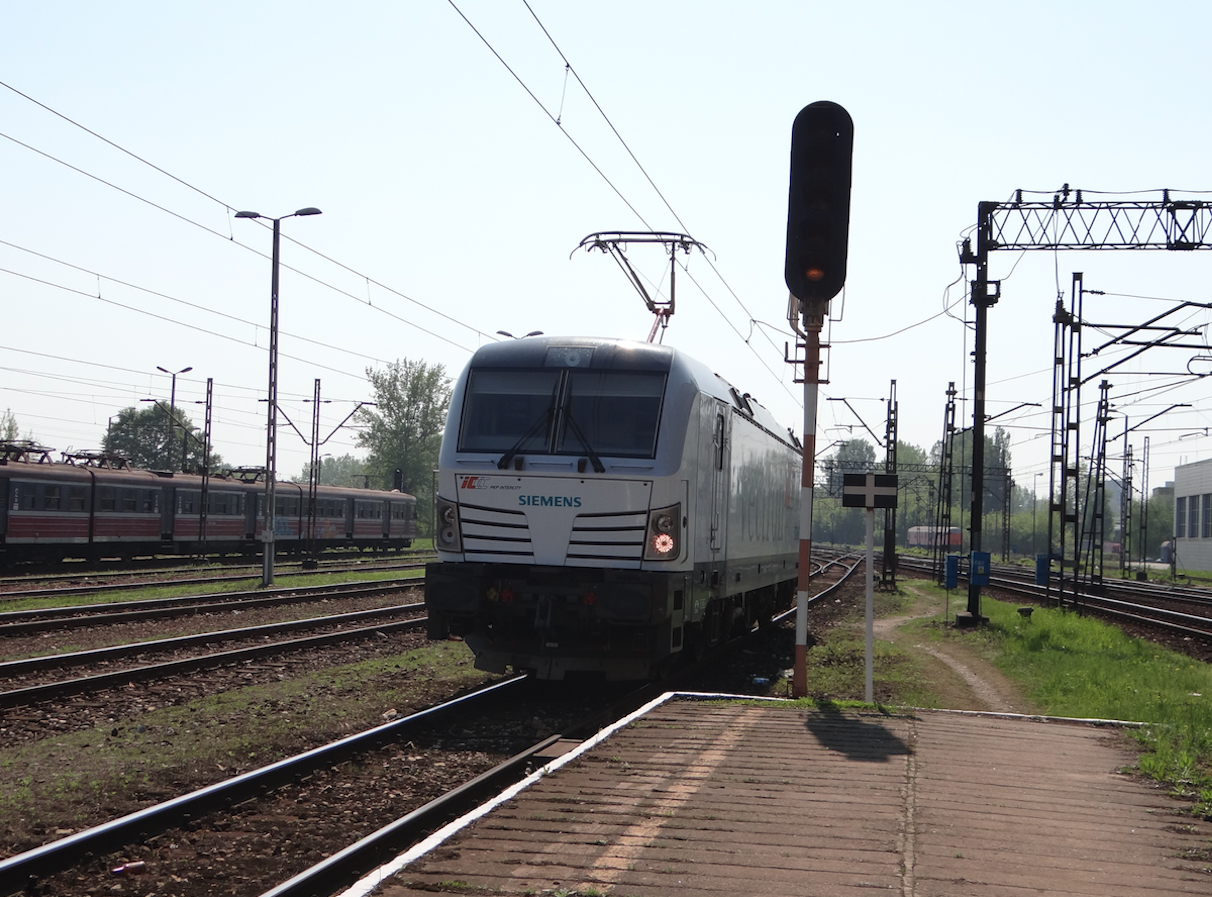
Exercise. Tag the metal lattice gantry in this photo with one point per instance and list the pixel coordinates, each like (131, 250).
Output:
(1069, 220)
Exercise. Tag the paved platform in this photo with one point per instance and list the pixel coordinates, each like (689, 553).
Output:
(723, 799)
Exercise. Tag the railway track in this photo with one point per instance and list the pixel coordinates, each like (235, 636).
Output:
(268, 792)
(385, 622)
(37, 868)
(25, 871)
(85, 586)
(19, 576)
(1183, 612)
(37, 620)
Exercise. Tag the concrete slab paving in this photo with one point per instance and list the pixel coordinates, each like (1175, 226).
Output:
(737, 799)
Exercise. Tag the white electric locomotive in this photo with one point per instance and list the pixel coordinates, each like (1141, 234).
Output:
(605, 505)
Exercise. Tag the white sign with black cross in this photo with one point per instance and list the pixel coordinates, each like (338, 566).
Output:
(870, 491)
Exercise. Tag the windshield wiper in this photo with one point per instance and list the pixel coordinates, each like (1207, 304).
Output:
(598, 466)
(534, 428)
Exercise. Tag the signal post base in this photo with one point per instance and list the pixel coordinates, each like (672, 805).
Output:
(968, 620)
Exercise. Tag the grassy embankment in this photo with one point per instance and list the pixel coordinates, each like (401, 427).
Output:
(1066, 665)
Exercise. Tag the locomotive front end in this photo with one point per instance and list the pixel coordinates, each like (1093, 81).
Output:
(561, 518)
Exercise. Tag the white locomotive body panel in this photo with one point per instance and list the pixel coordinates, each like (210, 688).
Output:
(604, 505)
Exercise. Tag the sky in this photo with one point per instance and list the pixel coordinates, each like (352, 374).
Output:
(460, 152)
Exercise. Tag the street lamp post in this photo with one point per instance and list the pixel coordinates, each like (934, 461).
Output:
(271, 442)
(172, 416)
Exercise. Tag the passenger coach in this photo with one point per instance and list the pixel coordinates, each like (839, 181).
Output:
(96, 507)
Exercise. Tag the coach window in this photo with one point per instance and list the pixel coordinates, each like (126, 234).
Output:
(50, 498)
(107, 498)
(77, 498)
(25, 496)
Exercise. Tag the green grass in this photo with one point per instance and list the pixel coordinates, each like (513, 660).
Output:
(1075, 666)
(835, 664)
(1067, 665)
(835, 670)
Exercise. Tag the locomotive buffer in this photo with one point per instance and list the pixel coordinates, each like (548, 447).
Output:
(870, 491)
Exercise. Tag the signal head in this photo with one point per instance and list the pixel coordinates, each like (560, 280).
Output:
(818, 203)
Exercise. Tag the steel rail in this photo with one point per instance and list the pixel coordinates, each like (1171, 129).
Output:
(105, 587)
(1116, 608)
(53, 691)
(346, 866)
(22, 871)
(24, 622)
(24, 666)
(332, 562)
(836, 562)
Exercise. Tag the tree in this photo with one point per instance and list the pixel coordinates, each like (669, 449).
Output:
(8, 426)
(831, 522)
(345, 470)
(151, 439)
(853, 456)
(404, 430)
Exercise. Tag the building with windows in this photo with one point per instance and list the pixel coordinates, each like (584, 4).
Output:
(1193, 515)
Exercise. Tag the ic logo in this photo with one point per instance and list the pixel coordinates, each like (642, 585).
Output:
(468, 482)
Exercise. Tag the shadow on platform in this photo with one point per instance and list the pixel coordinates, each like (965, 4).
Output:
(859, 738)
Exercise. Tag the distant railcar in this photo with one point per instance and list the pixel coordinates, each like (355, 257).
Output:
(53, 511)
(935, 537)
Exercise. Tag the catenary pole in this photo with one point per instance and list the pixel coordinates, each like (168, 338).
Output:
(813, 323)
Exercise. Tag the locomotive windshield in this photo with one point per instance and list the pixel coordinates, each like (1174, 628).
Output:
(562, 412)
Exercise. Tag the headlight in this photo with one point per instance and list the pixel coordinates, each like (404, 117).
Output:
(663, 538)
(448, 538)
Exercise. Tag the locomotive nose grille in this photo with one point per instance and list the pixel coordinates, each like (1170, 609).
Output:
(502, 534)
(492, 533)
(608, 537)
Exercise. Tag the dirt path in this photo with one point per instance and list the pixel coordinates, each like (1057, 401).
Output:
(962, 679)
